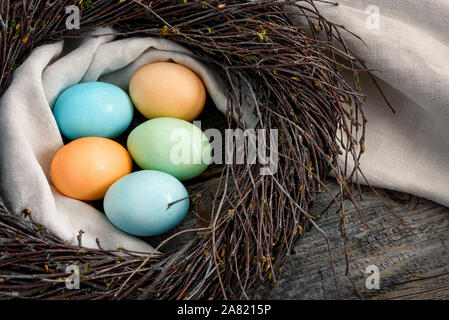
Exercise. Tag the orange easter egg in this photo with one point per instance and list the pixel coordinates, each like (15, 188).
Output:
(85, 168)
(166, 89)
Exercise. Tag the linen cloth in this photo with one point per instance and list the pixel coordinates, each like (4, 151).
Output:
(406, 151)
(29, 135)
(408, 42)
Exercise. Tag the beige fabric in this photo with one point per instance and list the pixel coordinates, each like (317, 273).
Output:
(30, 136)
(407, 151)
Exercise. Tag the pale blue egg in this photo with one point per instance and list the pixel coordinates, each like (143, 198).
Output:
(139, 203)
(93, 109)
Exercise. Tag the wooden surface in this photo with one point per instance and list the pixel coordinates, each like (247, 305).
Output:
(412, 255)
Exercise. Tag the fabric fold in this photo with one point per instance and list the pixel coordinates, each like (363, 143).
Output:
(407, 42)
(30, 137)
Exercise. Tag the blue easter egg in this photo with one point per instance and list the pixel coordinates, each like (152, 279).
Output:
(93, 109)
(139, 202)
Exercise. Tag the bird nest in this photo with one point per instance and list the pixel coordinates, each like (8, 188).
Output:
(244, 232)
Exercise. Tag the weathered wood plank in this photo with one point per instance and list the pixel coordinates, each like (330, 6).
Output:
(412, 256)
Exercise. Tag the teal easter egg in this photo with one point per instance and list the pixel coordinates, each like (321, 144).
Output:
(93, 109)
(142, 203)
(170, 145)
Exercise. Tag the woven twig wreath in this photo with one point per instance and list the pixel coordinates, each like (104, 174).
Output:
(294, 80)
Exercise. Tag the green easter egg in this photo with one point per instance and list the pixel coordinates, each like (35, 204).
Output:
(171, 145)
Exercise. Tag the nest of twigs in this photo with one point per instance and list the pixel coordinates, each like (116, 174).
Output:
(295, 80)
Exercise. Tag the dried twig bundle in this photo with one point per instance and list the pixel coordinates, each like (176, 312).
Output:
(294, 78)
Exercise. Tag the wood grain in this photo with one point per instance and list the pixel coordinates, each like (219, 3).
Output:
(412, 255)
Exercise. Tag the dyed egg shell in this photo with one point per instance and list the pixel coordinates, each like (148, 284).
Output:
(166, 89)
(139, 203)
(170, 145)
(85, 168)
(93, 109)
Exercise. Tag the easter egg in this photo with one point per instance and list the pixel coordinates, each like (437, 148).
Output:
(170, 145)
(144, 203)
(85, 168)
(93, 109)
(166, 89)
